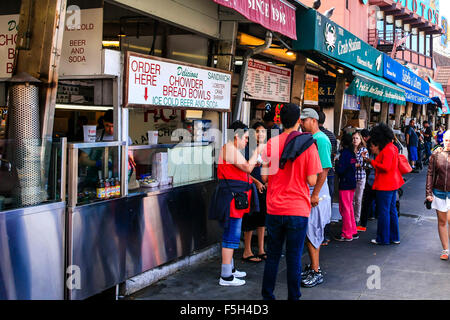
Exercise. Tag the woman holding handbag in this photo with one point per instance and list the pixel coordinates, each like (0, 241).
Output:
(234, 196)
(438, 191)
(388, 179)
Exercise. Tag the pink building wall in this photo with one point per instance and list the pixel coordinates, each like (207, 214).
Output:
(354, 19)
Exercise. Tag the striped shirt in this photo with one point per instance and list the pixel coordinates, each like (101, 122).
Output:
(333, 141)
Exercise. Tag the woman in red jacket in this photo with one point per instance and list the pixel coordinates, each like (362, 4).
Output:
(388, 180)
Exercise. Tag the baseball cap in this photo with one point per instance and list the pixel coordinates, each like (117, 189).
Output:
(309, 113)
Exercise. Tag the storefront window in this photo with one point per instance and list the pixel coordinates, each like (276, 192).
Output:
(389, 28)
(427, 45)
(422, 42)
(380, 24)
(25, 180)
(407, 30)
(414, 40)
(171, 147)
(98, 168)
(399, 29)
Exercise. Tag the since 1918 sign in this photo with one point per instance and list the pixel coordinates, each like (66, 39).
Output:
(153, 81)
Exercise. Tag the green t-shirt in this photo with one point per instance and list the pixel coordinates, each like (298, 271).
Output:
(324, 147)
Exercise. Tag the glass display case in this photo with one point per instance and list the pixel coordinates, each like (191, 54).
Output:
(94, 172)
(29, 177)
(162, 166)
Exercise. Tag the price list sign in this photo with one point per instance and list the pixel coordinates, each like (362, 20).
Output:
(153, 81)
(268, 82)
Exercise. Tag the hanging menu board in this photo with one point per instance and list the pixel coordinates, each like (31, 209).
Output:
(153, 81)
(311, 96)
(266, 81)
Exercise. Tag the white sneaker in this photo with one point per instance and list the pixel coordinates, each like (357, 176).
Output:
(239, 274)
(231, 283)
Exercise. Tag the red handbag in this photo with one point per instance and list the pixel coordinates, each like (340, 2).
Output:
(403, 164)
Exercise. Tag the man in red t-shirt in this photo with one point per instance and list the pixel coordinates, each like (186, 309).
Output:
(288, 199)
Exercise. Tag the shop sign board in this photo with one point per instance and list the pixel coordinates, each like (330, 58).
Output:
(269, 82)
(352, 102)
(391, 108)
(427, 9)
(275, 15)
(158, 82)
(327, 91)
(377, 107)
(9, 25)
(82, 42)
(446, 32)
(318, 33)
(399, 74)
(311, 95)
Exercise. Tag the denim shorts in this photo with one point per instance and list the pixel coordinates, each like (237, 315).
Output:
(413, 153)
(232, 234)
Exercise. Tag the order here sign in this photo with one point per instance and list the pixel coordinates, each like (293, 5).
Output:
(153, 81)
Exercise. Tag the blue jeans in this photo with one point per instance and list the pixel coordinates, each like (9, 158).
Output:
(388, 229)
(427, 150)
(293, 230)
(231, 237)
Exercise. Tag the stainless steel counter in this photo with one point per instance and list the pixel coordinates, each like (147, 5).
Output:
(114, 240)
(32, 252)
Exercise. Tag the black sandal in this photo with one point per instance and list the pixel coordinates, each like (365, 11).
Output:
(249, 259)
(263, 256)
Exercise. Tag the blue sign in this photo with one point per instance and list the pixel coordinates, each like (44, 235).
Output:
(352, 102)
(397, 73)
(416, 98)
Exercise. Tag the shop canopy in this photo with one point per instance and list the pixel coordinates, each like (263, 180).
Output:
(275, 15)
(368, 85)
(416, 97)
(437, 94)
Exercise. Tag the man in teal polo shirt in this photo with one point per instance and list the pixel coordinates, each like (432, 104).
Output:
(320, 199)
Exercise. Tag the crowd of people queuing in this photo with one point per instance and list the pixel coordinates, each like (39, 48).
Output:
(419, 142)
(285, 185)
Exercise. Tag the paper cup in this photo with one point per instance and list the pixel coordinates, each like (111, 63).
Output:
(152, 137)
(90, 133)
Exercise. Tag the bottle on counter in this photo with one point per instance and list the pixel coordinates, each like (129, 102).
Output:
(117, 187)
(100, 189)
(107, 189)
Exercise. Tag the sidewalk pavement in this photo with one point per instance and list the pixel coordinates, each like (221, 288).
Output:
(410, 270)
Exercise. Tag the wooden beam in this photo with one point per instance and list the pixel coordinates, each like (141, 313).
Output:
(398, 113)
(384, 112)
(227, 45)
(299, 79)
(39, 42)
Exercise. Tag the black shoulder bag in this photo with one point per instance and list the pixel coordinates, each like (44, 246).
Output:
(240, 198)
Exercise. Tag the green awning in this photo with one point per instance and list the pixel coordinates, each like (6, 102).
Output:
(368, 85)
